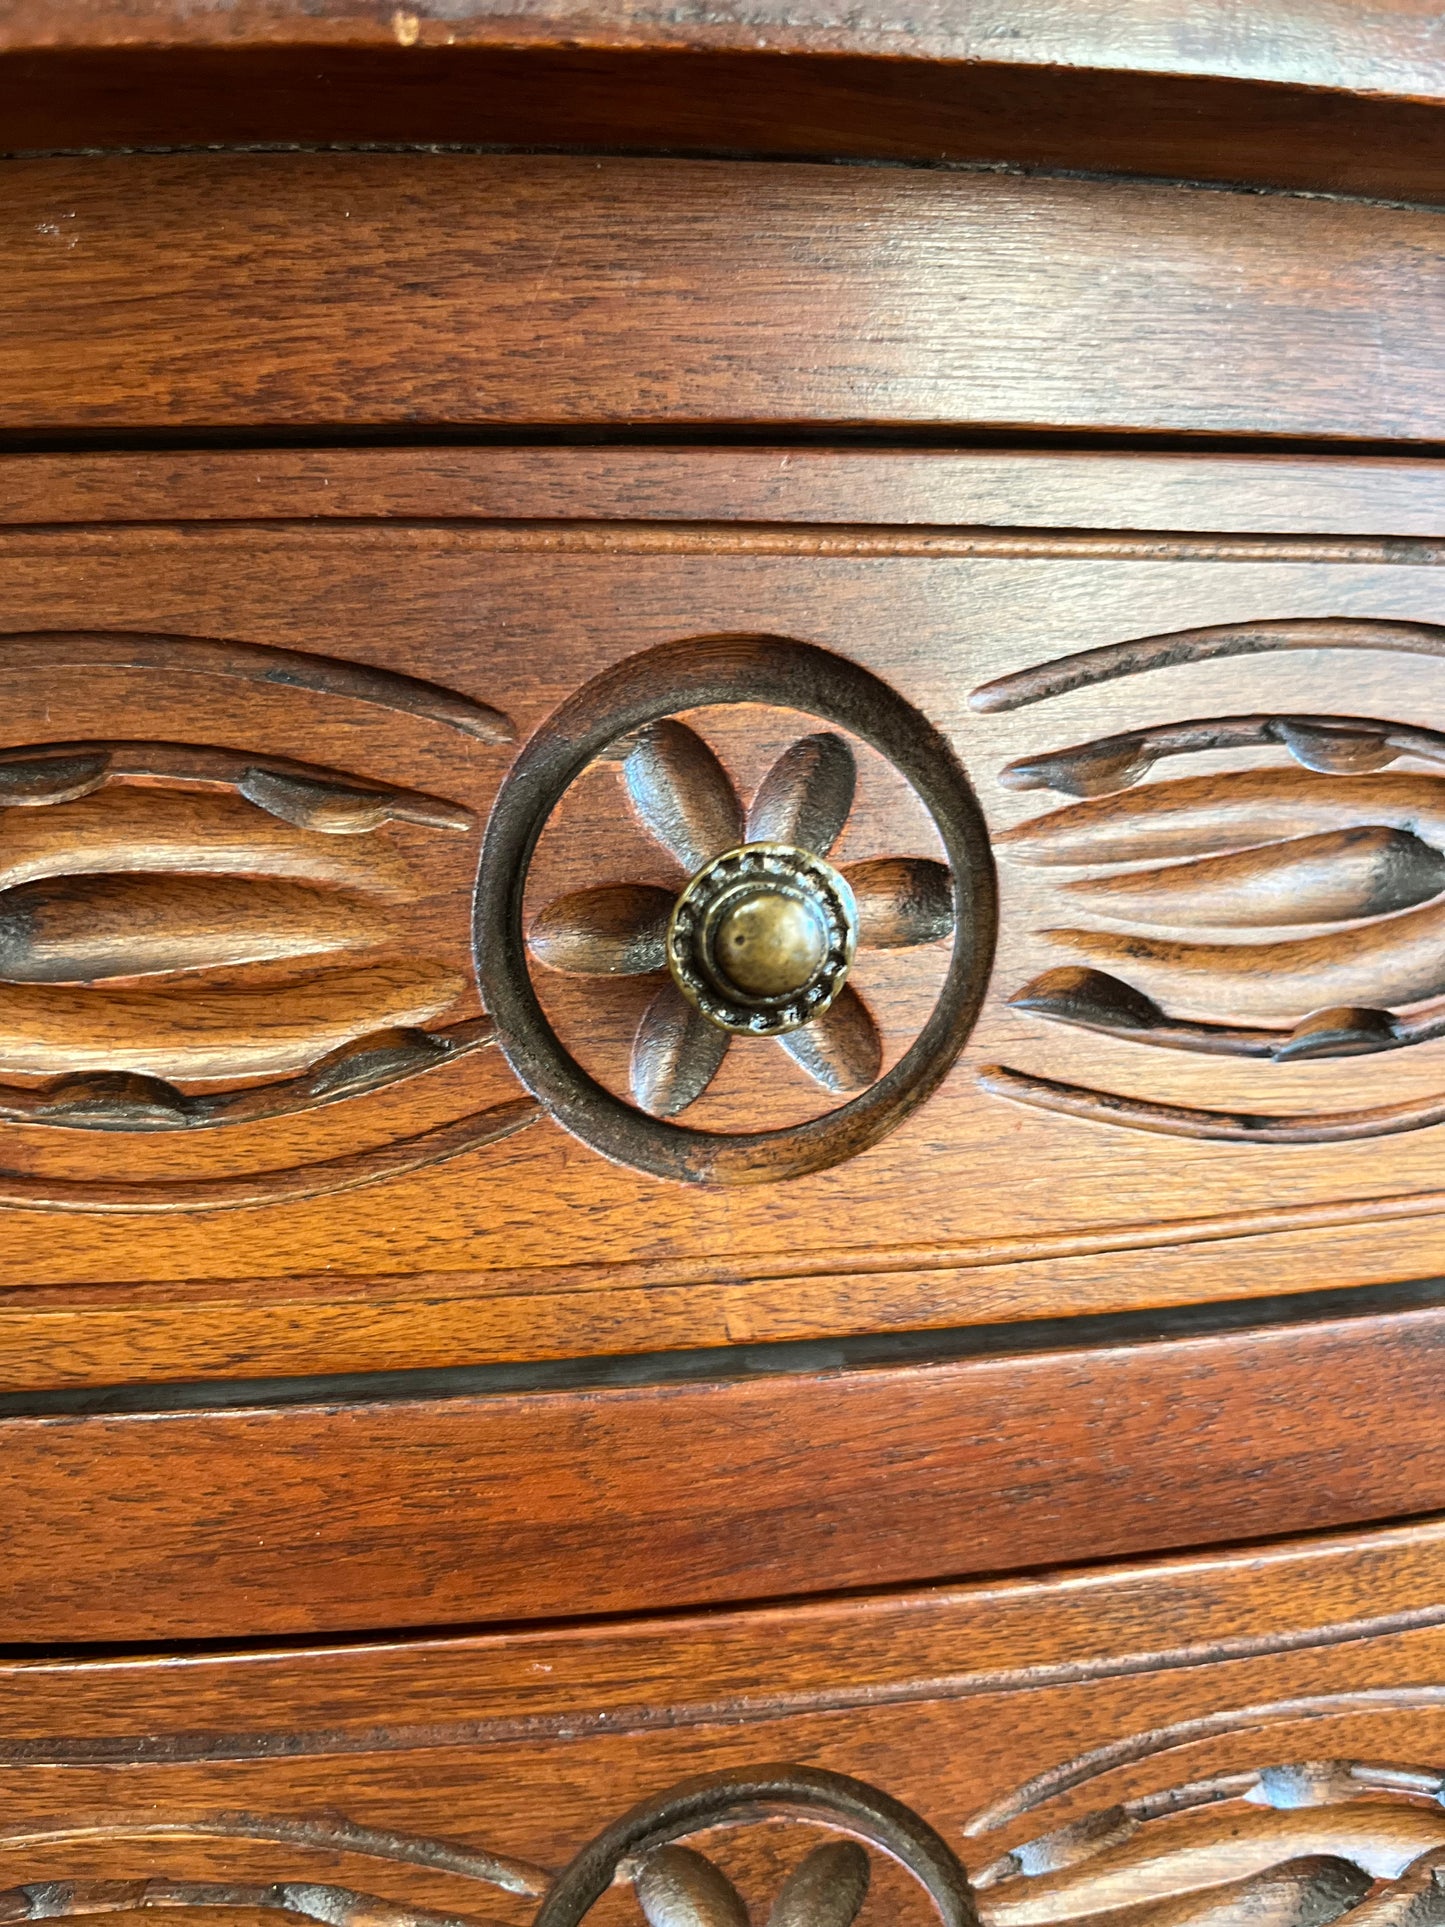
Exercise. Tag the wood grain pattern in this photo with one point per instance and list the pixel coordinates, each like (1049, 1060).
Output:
(517, 1505)
(1258, 494)
(1296, 93)
(488, 609)
(1008, 1713)
(327, 327)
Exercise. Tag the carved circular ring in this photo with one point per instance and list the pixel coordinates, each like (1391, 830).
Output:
(643, 689)
(762, 938)
(766, 1793)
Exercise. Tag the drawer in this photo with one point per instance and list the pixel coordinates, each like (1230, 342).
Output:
(1080, 1741)
(374, 820)
(705, 1478)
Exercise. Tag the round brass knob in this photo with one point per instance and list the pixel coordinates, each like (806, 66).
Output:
(762, 938)
(770, 944)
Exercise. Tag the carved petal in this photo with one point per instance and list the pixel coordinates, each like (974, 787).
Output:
(675, 1055)
(827, 1890)
(805, 797)
(683, 794)
(842, 1048)
(614, 930)
(902, 901)
(680, 1888)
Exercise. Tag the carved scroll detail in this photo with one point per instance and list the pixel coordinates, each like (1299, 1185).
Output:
(324, 800)
(256, 1188)
(674, 1885)
(1298, 1844)
(1091, 667)
(1222, 1127)
(255, 662)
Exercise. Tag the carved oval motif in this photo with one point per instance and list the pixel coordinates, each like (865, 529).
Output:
(1290, 911)
(197, 934)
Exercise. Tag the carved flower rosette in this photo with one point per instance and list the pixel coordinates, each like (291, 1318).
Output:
(755, 934)
(735, 913)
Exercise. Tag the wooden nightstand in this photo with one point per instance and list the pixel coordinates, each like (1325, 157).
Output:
(722, 966)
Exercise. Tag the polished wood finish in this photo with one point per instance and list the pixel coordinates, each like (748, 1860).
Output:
(909, 300)
(1294, 739)
(939, 491)
(1294, 94)
(356, 1515)
(999, 1710)
(523, 892)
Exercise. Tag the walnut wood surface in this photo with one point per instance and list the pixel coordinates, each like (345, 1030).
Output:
(534, 1247)
(1298, 93)
(936, 489)
(1386, 46)
(907, 298)
(514, 1505)
(1003, 1711)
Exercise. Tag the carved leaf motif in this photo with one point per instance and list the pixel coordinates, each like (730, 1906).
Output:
(1399, 960)
(680, 1888)
(675, 1055)
(825, 1890)
(1191, 1855)
(902, 901)
(332, 809)
(31, 782)
(86, 929)
(683, 794)
(1332, 878)
(1336, 752)
(1200, 815)
(1309, 1892)
(616, 929)
(842, 1048)
(805, 797)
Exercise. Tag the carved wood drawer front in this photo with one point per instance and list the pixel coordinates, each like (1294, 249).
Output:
(541, 902)
(1246, 1736)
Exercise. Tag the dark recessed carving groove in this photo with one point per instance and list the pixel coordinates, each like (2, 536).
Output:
(322, 800)
(255, 662)
(1091, 667)
(23, 1192)
(1225, 1127)
(1396, 960)
(1208, 815)
(330, 1835)
(1338, 876)
(90, 929)
(194, 1029)
(1093, 1000)
(1333, 745)
(126, 1101)
(291, 1899)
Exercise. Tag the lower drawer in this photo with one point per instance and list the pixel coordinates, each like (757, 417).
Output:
(1086, 1740)
(347, 1514)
